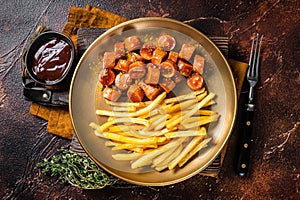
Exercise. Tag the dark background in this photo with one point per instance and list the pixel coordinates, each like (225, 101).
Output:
(274, 171)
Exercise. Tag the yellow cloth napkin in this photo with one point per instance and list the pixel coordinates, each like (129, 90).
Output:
(59, 122)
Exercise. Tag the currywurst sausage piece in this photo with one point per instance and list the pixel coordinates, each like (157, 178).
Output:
(173, 56)
(123, 81)
(137, 70)
(147, 51)
(195, 82)
(135, 93)
(122, 65)
(119, 49)
(132, 43)
(185, 68)
(166, 42)
(153, 74)
(186, 51)
(167, 84)
(198, 64)
(168, 68)
(150, 91)
(106, 77)
(109, 59)
(111, 94)
(158, 56)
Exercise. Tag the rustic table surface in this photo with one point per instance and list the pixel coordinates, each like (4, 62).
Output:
(274, 170)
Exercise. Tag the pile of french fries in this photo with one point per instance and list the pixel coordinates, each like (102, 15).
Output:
(163, 133)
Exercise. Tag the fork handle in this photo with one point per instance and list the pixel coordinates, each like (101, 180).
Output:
(244, 142)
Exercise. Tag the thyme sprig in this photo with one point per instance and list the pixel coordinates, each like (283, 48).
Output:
(78, 170)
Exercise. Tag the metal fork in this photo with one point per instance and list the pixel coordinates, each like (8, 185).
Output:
(245, 136)
(253, 68)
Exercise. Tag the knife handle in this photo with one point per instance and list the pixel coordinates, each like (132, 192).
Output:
(244, 142)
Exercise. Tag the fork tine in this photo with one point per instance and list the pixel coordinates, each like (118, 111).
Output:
(254, 57)
(258, 56)
(250, 59)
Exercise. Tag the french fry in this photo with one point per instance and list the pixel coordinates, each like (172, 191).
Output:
(194, 151)
(163, 165)
(131, 140)
(132, 146)
(125, 128)
(106, 125)
(127, 104)
(202, 121)
(207, 112)
(126, 156)
(201, 132)
(181, 106)
(149, 107)
(185, 151)
(184, 97)
(124, 109)
(145, 159)
(192, 111)
(162, 157)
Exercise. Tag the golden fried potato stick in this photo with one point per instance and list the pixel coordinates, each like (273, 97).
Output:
(162, 157)
(142, 111)
(147, 158)
(127, 104)
(191, 112)
(194, 151)
(189, 133)
(106, 125)
(149, 107)
(131, 140)
(163, 165)
(181, 106)
(127, 156)
(184, 97)
(125, 128)
(202, 121)
(207, 112)
(185, 151)
(124, 109)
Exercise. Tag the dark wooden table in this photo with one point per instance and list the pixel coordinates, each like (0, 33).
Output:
(274, 171)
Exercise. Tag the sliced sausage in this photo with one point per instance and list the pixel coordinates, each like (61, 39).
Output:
(150, 91)
(198, 64)
(195, 82)
(137, 70)
(177, 77)
(106, 77)
(135, 93)
(132, 43)
(153, 74)
(133, 57)
(167, 84)
(122, 65)
(186, 51)
(185, 68)
(111, 94)
(147, 51)
(158, 56)
(123, 81)
(173, 56)
(168, 68)
(119, 49)
(109, 59)
(166, 42)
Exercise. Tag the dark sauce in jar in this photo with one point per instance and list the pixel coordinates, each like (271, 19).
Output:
(52, 59)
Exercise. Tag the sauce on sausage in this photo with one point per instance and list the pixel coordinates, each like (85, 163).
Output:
(52, 59)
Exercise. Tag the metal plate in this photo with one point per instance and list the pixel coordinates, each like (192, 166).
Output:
(84, 99)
